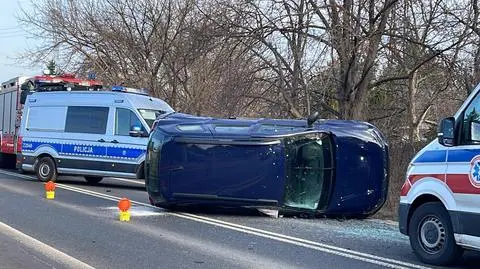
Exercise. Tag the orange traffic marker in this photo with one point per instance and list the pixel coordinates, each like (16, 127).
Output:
(124, 205)
(50, 190)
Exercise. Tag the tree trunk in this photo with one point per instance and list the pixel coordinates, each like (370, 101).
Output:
(412, 118)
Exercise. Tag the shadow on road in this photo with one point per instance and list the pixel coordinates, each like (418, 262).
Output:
(82, 183)
(470, 260)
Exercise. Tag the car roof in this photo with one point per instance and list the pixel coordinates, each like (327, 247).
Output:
(97, 98)
(188, 125)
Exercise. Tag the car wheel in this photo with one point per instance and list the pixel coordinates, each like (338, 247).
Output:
(46, 170)
(431, 235)
(93, 179)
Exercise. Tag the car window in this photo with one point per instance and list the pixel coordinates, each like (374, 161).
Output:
(40, 119)
(125, 119)
(471, 122)
(190, 128)
(231, 129)
(308, 165)
(86, 119)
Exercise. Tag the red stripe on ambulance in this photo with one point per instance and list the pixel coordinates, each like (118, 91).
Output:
(460, 183)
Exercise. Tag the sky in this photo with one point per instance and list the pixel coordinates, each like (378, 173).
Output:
(14, 41)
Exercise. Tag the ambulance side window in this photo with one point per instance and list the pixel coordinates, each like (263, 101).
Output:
(471, 123)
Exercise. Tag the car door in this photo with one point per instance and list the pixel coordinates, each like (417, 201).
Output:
(124, 147)
(463, 169)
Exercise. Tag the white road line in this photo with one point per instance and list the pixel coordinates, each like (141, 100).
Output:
(376, 261)
(138, 211)
(300, 240)
(365, 257)
(42, 248)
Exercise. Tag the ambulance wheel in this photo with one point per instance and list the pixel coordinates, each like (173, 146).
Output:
(431, 235)
(93, 179)
(46, 170)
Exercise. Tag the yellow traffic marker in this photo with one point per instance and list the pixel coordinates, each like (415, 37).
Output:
(124, 205)
(50, 190)
(124, 216)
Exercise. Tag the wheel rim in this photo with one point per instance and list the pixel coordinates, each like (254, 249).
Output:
(44, 170)
(432, 234)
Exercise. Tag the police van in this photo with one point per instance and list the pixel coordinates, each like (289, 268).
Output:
(440, 199)
(95, 134)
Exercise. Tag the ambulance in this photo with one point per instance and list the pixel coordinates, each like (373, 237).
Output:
(440, 199)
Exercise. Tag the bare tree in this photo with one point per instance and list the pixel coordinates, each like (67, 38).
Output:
(276, 32)
(422, 49)
(160, 45)
(355, 31)
(294, 37)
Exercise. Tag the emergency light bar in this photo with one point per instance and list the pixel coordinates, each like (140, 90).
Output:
(142, 91)
(68, 78)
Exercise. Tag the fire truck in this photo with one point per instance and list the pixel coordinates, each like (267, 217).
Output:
(13, 94)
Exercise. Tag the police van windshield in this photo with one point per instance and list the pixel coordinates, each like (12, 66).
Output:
(150, 115)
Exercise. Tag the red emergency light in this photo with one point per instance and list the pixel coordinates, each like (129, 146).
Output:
(67, 79)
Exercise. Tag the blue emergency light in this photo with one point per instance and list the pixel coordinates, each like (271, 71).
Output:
(118, 88)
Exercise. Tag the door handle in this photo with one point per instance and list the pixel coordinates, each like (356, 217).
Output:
(101, 140)
(114, 141)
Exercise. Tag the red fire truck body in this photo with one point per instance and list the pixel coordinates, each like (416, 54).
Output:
(12, 95)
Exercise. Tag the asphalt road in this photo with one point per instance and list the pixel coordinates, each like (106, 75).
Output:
(80, 229)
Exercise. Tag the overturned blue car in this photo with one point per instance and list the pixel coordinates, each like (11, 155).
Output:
(316, 167)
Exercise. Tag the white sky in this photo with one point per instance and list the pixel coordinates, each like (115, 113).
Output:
(14, 41)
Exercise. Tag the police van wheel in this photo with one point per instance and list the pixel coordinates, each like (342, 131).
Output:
(431, 235)
(46, 170)
(93, 179)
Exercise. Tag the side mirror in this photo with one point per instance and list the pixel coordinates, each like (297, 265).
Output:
(136, 131)
(446, 133)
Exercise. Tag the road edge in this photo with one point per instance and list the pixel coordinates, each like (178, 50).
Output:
(42, 248)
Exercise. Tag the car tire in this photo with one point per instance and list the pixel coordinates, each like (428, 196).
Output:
(431, 235)
(93, 179)
(46, 170)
